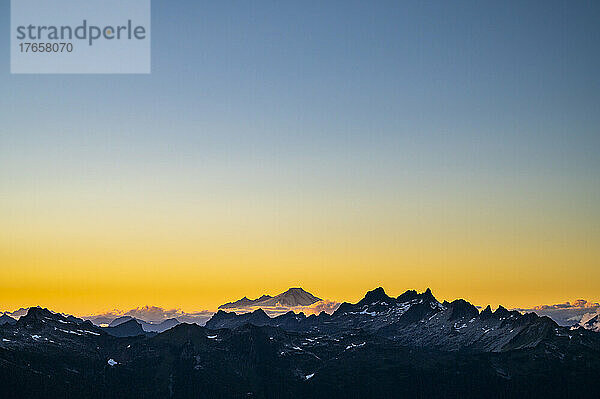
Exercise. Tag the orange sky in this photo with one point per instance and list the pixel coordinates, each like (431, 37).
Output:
(62, 253)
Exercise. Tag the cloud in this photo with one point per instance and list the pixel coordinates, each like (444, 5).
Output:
(156, 314)
(577, 304)
(199, 318)
(325, 305)
(153, 313)
(17, 313)
(588, 316)
(567, 313)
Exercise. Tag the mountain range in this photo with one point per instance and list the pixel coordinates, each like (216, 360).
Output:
(411, 345)
(580, 313)
(414, 319)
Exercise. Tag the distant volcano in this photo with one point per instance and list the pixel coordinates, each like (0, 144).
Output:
(290, 298)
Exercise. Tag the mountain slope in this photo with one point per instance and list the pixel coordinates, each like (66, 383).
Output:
(130, 328)
(6, 319)
(146, 326)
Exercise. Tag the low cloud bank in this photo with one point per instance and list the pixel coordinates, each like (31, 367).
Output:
(152, 314)
(17, 313)
(156, 314)
(326, 305)
(577, 304)
(567, 313)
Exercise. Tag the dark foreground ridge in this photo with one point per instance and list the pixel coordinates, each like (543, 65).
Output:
(381, 347)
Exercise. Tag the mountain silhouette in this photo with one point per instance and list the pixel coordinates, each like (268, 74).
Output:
(291, 298)
(146, 326)
(128, 328)
(120, 320)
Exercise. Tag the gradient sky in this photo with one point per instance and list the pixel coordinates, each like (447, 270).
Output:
(335, 145)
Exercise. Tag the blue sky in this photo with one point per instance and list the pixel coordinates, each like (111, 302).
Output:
(455, 106)
(516, 83)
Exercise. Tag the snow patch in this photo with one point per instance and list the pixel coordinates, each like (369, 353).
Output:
(369, 313)
(355, 345)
